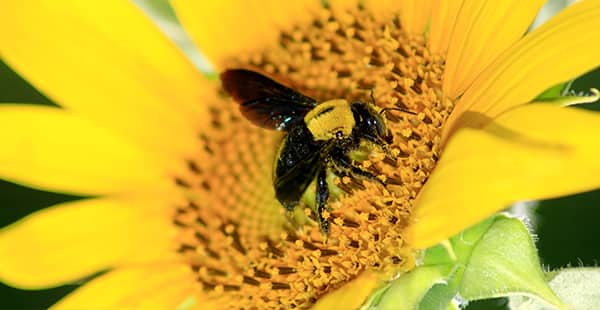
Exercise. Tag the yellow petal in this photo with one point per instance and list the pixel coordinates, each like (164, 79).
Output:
(160, 286)
(533, 152)
(483, 30)
(415, 14)
(351, 295)
(563, 48)
(230, 28)
(109, 62)
(443, 19)
(54, 149)
(67, 242)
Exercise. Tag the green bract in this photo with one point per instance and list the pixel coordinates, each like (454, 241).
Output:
(495, 258)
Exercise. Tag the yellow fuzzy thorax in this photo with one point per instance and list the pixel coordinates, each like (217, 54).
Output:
(329, 118)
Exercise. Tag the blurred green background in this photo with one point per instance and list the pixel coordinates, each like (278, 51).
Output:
(566, 229)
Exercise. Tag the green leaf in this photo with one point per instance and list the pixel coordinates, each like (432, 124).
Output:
(504, 262)
(438, 297)
(579, 288)
(570, 99)
(454, 255)
(563, 95)
(553, 92)
(495, 258)
(407, 291)
(439, 254)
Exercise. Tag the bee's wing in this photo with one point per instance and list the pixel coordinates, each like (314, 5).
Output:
(265, 102)
(290, 186)
(297, 164)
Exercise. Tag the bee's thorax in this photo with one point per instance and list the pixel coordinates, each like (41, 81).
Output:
(332, 119)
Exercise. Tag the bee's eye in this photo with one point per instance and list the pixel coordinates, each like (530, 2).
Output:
(339, 134)
(372, 122)
(378, 127)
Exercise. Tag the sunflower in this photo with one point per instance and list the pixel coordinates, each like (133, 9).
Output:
(182, 211)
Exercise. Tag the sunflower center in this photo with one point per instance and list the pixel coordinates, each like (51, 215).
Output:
(233, 232)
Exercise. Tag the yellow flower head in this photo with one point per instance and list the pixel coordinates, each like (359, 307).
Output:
(185, 212)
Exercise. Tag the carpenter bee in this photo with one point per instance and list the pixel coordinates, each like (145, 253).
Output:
(319, 135)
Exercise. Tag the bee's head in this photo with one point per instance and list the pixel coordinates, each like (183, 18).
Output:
(375, 125)
(370, 124)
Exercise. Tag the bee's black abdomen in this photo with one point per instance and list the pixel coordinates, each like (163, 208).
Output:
(296, 166)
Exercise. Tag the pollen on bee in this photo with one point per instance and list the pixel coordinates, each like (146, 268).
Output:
(308, 211)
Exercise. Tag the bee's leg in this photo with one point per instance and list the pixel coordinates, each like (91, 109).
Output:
(344, 166)
(322, 196)
(381, 144)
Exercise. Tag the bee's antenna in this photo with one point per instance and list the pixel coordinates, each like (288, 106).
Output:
(397, 109)
(372, 97)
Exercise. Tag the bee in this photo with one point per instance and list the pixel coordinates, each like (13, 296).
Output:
(319, 136)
